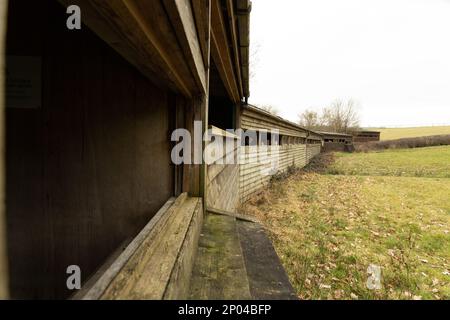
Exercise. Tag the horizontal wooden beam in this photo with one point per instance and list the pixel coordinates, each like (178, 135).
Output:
(3, 257)
(182, 17)
(244, 8)
(148, 37)
(202, 20)
(220, 52)
(235, 45)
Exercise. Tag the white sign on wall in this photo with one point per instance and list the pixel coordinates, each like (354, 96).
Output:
(23, 82)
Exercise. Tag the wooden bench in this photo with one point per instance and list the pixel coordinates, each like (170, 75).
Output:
(157, 264)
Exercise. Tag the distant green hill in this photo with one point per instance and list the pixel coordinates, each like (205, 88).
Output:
(398, 133)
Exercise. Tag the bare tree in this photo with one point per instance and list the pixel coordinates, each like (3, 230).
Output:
(340, 117)
(351, 116)
(255, 49)
(309, 119)
(269, 108)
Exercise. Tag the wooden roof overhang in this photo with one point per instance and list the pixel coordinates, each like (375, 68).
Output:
(334, 135)
(168, 40)
(244, 8)
(367, 132)
(158, 37)
(230, 41)
(315, 136)
(254, 118)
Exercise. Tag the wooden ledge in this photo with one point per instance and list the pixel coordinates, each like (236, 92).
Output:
(157, 264)
(233, 215)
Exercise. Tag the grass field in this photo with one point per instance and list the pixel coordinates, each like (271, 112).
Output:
(399, 133)
(328, 228)
(422, 162)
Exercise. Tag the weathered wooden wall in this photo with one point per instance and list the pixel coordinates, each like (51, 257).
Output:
(3, 261)
(222, 188)
(312, 150)
(366, 136)
(87, 170)
(259, 120)
(254, 174)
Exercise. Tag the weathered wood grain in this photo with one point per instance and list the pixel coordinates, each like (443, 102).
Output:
(222, 179)
(156, 264)
(252, 177)
(182, 19)
(253, 118)
(220, 52)
(243, 16)
(90, 167)
(266, 276)
(94, 290)
(219, 272)
(3, 259)
(202, 20)
(179, 283)
(142, 33)
(234, 40)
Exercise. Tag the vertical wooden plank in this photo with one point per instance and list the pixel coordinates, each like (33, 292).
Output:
(205, 105)
(88, 169)
(3, 260)
(200, 106)
(187, 169)
(234, 36)
(191, 171)
(196, 177)
(25, 145)
(201, 13)
(238, 116)
(182, 19)
(179, 117)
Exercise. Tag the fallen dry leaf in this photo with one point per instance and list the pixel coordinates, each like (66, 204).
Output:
(324, 286)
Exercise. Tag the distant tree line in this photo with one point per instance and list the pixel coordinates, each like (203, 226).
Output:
(341, 116)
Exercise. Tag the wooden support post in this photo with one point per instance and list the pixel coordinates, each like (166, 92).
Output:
(238, 116)
(195, 175)
(234, 36)
(205, 107)
(3, 257)
(220, 51)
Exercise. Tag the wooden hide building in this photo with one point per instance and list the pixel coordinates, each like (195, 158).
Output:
(333, 141)
(366, 136)
(295, 147)
(88, 153)
(88, 116)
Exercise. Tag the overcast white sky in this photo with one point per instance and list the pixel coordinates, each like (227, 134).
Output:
(393, 56)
